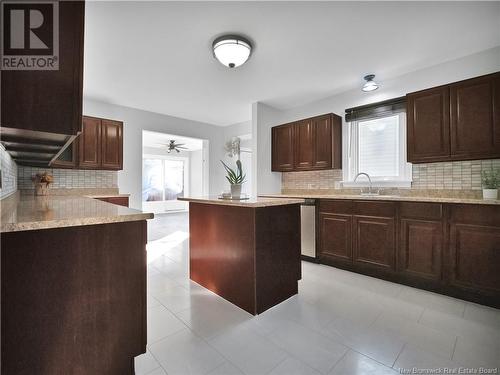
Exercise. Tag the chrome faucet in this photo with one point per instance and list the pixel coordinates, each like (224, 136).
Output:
(370, 192)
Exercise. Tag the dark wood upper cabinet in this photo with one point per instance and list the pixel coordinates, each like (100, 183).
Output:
(90, 144)
(282, 154)
(304, 145)
(327, 142)
(68, 158)
(111, 144)
(49, 100)
(99, 146)
(475, 118)
(428, 124)
(459, 121)
(316, 144)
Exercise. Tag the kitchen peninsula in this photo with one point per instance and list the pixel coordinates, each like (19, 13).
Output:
(248, 251)
(73, 285)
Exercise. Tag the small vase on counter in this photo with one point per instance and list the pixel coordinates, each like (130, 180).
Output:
(235, 191)
(42, 182)
(491, 182)
(41, 188)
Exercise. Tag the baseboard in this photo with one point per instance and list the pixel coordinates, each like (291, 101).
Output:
(307, 258)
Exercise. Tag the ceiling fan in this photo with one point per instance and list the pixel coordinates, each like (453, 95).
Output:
(172, 146)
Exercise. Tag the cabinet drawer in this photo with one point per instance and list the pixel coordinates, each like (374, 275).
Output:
(475, 214)
(336, 206)
(418, 210)
(369, 208)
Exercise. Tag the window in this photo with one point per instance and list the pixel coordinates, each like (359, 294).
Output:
(163, 179)
(377, 146)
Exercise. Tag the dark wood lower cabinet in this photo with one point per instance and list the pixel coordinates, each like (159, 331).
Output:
(120, 201)
(421, 242)
(374, 242)
(74, 299)
(451, 249)
(335, 238)
(474, 253)
(420, 249)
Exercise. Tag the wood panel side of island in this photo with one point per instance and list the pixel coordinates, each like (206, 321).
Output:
(278, 263)
(222, 251)
(74, 299)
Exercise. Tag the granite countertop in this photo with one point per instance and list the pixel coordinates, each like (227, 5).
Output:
(253, 202)
(22, 212)
(400, 198)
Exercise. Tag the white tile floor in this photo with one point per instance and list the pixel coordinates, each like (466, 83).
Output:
(339, 323)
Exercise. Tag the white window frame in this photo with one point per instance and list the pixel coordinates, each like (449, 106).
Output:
(405, 169)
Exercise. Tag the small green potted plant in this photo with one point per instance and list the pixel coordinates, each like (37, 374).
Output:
(491, 181)
(235, 178)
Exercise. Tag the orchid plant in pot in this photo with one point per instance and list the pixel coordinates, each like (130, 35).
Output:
(491, 182)
(235, 178)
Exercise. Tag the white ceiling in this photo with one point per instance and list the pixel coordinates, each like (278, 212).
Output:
(161, 140)
(157, 56)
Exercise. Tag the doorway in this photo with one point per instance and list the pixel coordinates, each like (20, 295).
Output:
(172, 167)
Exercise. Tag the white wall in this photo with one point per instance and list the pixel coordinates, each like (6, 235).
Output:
(264, 117)
(135, 121)
(196, 173)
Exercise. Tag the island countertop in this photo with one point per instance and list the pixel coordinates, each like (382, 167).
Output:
(20, 213)
(253, 202)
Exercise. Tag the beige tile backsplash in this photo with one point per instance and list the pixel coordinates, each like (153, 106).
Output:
(9, 174)
(457, 175)
(69, 178)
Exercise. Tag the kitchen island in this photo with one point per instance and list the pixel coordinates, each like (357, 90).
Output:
(73, 272)
(248, 251)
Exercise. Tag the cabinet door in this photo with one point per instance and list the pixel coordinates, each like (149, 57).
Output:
(475, 118)
(282, 148)
(428, 124)
(90, 144)
(374, 242)
(475, 258)
(322, 132)
(335, 237)
(304, 145)
(420, 248)
(49, 100)
(111, 145)
(68, 158)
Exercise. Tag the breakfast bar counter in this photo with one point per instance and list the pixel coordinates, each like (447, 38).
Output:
(248, 251)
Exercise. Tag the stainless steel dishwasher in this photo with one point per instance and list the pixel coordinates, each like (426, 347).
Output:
(308, 228)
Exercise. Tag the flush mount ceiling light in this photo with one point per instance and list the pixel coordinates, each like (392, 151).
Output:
(370, 84)
(231, 50)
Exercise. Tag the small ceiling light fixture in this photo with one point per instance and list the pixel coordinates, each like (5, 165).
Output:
(370, 84)
(232, 50)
